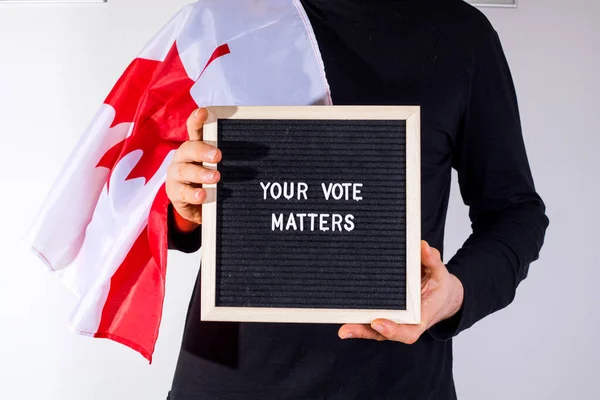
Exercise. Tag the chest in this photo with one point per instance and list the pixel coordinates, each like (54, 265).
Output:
(393, 64)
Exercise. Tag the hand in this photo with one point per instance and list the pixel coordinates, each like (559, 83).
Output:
(441, 297)
(186, 174)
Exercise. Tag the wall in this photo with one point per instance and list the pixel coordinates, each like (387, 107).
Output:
(57, 62)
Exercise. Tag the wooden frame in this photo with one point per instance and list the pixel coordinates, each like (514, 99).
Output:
(412, 315)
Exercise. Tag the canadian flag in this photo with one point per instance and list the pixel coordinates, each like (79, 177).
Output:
(102, 228)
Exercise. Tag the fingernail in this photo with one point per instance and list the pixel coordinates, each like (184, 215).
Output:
(348, 336)
(196, 112)
(211, 175)
(197, 194)
(377, 327)
(212, 153)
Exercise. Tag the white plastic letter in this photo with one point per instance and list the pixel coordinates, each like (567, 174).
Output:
(276, 222)
(356, 192)
(287, 185)
(336, 221)
(291, 223)
(323, 222)
(274, 187)
(302, 189)
(326, 190)
(349, 226)
(265, 188)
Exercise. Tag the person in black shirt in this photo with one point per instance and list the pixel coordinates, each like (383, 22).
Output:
(444, 56)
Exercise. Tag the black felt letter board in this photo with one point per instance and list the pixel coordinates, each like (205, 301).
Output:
(311, 214)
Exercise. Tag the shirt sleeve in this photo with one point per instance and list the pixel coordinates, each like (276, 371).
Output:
(508, 216)
(185, 242)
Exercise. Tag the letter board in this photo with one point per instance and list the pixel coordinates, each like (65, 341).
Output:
(317, 215)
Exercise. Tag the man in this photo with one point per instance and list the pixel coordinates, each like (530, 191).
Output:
(444, 56)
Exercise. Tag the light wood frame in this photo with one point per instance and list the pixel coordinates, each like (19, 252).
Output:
(412, 315)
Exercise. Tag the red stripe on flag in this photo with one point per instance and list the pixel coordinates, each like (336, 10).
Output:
(136, 293)
(133, 309)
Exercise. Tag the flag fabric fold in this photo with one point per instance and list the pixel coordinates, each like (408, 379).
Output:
(102, 228)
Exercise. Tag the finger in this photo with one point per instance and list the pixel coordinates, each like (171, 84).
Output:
(358, 331)
(193, 173)
(180, 192)
(195, 123)
(430, 257)
(408, 334)
(197, 152)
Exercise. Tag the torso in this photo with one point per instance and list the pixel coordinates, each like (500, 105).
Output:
(414, 53)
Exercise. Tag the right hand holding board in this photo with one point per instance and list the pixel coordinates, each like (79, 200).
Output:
(186, 174)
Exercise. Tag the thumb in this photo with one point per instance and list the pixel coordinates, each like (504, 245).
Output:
(195, 123)
(430, 257)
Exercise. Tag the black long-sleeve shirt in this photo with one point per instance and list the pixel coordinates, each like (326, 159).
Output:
(444, 56)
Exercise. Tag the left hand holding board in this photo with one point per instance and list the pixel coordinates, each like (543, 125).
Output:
(441, 297)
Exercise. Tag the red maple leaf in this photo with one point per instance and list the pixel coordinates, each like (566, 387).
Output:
(155, 96)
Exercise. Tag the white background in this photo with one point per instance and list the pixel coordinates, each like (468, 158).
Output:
(58, 62)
